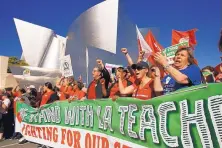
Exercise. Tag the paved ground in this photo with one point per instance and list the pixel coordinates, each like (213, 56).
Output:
(14, 144)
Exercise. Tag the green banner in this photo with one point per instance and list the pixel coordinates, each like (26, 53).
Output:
(190, 117)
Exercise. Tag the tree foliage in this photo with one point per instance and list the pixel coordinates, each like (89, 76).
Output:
(13, 61)
(17, 62)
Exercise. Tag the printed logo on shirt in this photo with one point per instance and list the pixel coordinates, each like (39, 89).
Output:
(168, 80)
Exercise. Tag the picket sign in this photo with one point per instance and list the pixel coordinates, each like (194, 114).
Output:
(66, 66)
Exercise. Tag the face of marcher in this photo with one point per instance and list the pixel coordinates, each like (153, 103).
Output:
(45, 88)
(75, 86)
(96, 73)
(141, 72)
(152, 72)
(119, 73)
(181, 59)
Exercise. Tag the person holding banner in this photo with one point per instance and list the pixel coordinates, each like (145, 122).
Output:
(4, 106)
(95, 87)
(143, 87)
(183, 73)
(209, 74)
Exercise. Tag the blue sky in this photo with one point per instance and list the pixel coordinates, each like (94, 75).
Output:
(206, 15)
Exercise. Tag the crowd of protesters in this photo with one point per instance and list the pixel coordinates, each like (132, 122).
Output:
(138, 80)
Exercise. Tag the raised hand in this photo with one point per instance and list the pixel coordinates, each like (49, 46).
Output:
(99, 61)
(80, 78)
(161, 59)
(141, 54)
(124, 50)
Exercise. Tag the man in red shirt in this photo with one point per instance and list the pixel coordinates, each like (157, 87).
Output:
(95, 87)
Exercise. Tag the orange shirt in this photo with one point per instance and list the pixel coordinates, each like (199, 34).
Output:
(145, 93)
(79, 93)
(61, 96)
(46, 97)
(132, 78)
(92, 90)
(115, 89)
(68, 90)
(62, 88)
(17, 94)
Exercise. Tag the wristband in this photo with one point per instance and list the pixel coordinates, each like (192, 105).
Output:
(126, 53)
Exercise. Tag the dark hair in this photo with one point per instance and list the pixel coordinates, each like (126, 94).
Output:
(48, 85)
(56, 89)
(212, 69)
(32, 100)
(208, 68)
(191, 59)
(80, 85)
(33, 92)
(22, 90)
(7, 95)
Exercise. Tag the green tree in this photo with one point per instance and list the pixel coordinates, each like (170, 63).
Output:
(23, 63)
(15, 61)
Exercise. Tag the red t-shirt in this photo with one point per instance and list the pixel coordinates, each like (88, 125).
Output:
(68, 90)
(115, 88)
(79, 93)
(61, 96)
(92, 91)
(46, 97)
(17, 94)
(145, 93)
(62, 88)
(132, 78)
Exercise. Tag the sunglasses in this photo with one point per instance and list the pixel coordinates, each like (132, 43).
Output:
(139, 68)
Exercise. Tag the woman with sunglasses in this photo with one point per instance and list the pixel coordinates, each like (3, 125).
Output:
(143, 87)
(183, 73)
(77, 92)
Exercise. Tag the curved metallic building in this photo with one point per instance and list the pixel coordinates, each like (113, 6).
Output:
(100, 32)
(41, 46)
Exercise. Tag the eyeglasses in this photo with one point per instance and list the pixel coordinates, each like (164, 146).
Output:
(153, 70)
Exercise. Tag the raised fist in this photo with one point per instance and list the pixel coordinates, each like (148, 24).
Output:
(99, 61)
(141, 54)
(80, 78)
(124, 50)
